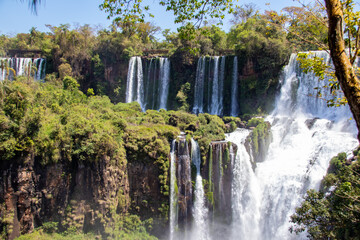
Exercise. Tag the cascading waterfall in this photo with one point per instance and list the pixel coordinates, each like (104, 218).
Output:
(215, 88)
(221, 85)
(234, 89)
(130, 80)
(306, 135)
(300, 152)
(23, 67)
(199, 228)
(152, 89)
(245, 194)
(135, 81)
(164, 80)
(173, 195)
(209, 90)
(140, 84)
(199, 87)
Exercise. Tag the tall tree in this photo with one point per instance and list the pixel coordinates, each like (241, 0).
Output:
(344, 70)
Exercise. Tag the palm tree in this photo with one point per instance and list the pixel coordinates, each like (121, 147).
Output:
(33, 4)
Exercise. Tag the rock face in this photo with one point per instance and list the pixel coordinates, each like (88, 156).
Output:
(218, 172)
(74, 194)
(183, 176)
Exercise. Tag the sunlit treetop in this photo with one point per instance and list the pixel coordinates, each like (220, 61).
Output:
(183, 10)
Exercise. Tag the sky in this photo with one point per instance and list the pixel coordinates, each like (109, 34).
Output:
(16, 17)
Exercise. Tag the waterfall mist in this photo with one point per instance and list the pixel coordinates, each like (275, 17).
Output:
(263, 195)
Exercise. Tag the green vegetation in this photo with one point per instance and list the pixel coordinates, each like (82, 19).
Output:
(127, 227)
(333, 212)
(56, 123)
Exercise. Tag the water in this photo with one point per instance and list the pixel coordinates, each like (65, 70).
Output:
(306, 134)
(215, 88)
(152, 89)
(199, 228)
(199, 87)
(164, 81)
(173, 195)
(130, 79)
(23, 67)
(298, 156)
(245, 193)
(209, 90)
(234, 89)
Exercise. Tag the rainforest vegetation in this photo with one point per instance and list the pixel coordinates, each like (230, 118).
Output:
(77, 114)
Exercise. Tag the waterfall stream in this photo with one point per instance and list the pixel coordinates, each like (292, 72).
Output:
(306, 134)
(150, 91)
(173, 195)
(199, 229)
(22, 67)
(234, 89)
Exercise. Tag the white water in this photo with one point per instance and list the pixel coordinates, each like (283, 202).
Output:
(298, 157)
(135, 81)
(215, 88)
(199, 87)
(234, 89)
(140, 83)
(164, 81)
(221, 85)
(214, 73)
(130, 79)
(23, 67)
(200, 225)
(264, 199)
(173, 195)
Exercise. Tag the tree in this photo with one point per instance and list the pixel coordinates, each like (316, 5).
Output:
(344, 70)
(334, 211)
(199, 10)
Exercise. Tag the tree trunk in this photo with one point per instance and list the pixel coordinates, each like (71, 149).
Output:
(344, 71)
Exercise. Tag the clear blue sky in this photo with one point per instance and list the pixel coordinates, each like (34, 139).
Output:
(16, 17)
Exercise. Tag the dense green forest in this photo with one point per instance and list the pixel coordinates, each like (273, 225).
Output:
(76, 116)
(87, 54)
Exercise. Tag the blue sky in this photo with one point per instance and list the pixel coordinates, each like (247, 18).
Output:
(16, 17)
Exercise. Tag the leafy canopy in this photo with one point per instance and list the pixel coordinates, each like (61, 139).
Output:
(184, 10)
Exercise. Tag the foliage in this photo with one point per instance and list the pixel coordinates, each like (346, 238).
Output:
(184, 11)
(182, 97)
(306, 26)
(262, 51)
(311, 63)
(332, 212)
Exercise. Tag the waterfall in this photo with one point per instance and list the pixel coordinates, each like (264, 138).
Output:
(130, 80)
(210, 82)
(245, 193)
(234, 89)
(306, 135)
(135, 81)
(41, 64)
(221, 85)
(140, 87)
(199, 229)
(173, 194)
(199, 86)
(164, 81)
(215, 88)
(150, 88)
(23, 67)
